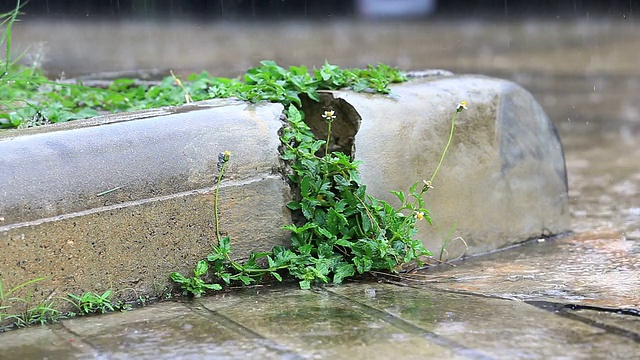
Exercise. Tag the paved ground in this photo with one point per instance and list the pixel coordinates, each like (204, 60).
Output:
(572, 298)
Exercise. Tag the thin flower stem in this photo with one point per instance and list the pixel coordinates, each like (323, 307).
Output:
(215, 202)
(453, 120)
(326, 145)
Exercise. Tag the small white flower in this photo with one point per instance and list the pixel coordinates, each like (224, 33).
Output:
(419, 215)
(462, 105)
(329, 115)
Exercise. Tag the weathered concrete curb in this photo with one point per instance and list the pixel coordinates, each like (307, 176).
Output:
(504, 178)
(502, 182)
(160, 217)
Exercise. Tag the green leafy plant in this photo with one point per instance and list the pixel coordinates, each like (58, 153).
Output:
(43, 313)
(91, 302)
(28, 98)
(24, 316)
(219, 261)
(15, 310)
(345, 231)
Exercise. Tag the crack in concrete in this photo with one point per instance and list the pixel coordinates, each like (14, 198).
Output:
(343, 129)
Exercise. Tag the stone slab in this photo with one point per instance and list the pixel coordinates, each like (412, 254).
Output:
(579, 269)
(497, 328)
(171, 330)
(61, 169)
(628, 324)
(317, 326)
(353, 320)
(42, 343)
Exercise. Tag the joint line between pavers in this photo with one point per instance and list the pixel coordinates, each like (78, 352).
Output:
(408, 327)
(564, 311)
(201, 310)
(126, 204)
(75, 340)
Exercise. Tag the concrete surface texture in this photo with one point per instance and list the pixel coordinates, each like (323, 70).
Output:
(122, 204)
(585, 269)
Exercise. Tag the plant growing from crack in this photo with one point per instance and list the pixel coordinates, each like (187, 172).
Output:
(90, 302)
(345, 231)
(15, 310)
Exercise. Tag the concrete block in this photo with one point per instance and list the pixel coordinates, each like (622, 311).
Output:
(159, 218)
(502, 182)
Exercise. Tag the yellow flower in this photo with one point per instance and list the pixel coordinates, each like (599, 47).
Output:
(226, 155)
(462, 105)
(329, 115)
(419, 215)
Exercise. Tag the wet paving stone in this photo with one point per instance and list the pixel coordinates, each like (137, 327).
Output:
(42, 343)
(362, 320)
(501, 329)
(597, 269)
(169, 330)
(625, 324)
(320, 325)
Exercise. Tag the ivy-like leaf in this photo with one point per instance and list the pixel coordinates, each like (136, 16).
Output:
(342, 271)
(246, 280)
(276, 276)
(324, 232)
(226, 277)
(225, 245)
(177, 277)
(305, 284)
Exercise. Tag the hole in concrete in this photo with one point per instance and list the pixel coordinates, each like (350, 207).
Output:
(344, 127)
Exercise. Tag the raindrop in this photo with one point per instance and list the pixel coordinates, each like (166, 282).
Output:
(370, 292)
